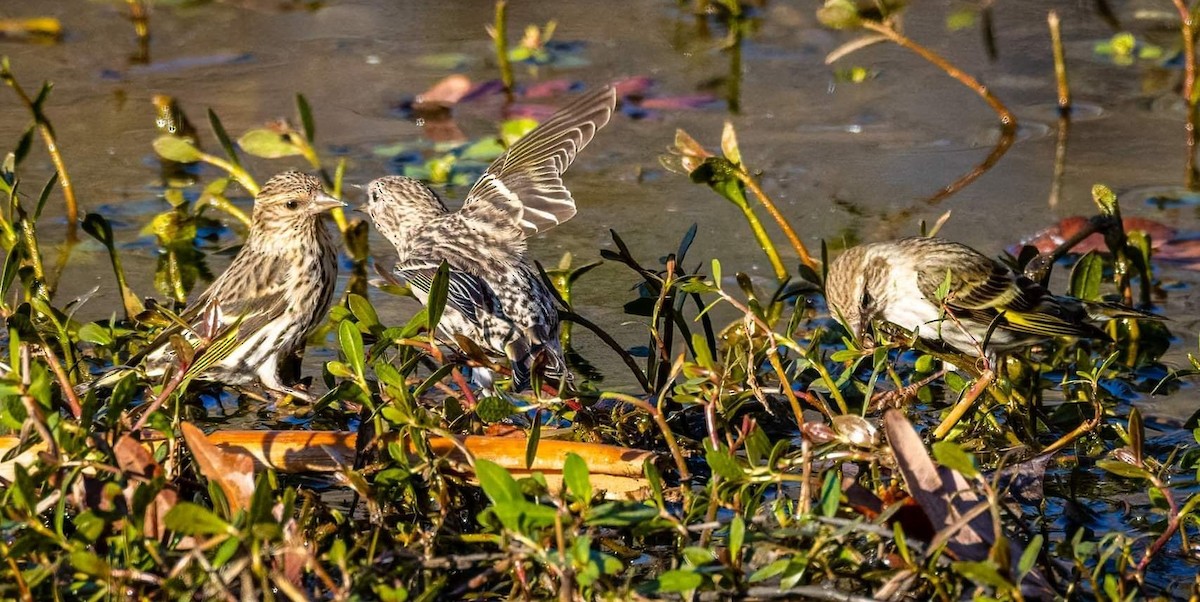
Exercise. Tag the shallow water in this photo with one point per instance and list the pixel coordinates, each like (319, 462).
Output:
(839, 158)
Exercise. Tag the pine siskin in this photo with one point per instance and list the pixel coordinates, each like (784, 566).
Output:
(899, 281)
(495, 298)
(273, 294)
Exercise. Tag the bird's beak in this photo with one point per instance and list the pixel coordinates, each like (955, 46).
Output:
(324, 202)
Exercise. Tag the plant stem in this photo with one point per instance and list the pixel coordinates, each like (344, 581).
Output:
(1007, 120)
(501, 35)
(1187, 30)
(805, 257)
(1060, 65)
(47, 133)
(764, 241)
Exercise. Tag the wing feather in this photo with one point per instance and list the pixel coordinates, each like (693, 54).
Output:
(526, 181)
(465, 293)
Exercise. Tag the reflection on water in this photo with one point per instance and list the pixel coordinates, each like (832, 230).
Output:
(841, 159)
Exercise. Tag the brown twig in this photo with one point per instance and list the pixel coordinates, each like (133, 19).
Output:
(805, 257)
(1060, 64)
(1007, 120)
(63, 381)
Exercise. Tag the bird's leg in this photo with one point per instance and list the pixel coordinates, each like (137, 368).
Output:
(887, 399)
(268, 376)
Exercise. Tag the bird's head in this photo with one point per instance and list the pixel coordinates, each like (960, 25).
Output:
(291, 200)
(396, 203)
(849, 291)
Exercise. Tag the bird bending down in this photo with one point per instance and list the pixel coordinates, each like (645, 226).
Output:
(496, 298)
(898, 281)
(264, 305)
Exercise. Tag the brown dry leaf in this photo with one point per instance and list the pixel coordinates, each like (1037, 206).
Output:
(154, 525)
(949, 502)
(134, 459)
(446, 92)
(233, 472)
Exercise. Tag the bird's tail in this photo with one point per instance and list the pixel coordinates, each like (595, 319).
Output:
(1107, 310)
(547, 357)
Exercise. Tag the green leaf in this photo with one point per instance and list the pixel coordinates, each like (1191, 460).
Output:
(497, 484)
(621, 515)
(363, 311)
(306, 118)
(1123, 469)
(984, 572)
(1030, 555)
(95, 333)
(1137, 436)
(678, 580)
(737, 536)
(531, 444)
(223, 138)
(576, 478)
(723, 464)
(438, 291)
(90, 564)
(191, 519)
(352, 346)
(943, 289)
(831, 494)
(704, 355)
(953, 456)
(267, 144)
(174, 148)
(1086, 277)
(513, 129)
(771, 570)
(339, 369)
(1104, 197)
(494, 409)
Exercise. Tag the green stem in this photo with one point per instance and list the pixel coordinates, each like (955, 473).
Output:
(764, 241)
(501, 31)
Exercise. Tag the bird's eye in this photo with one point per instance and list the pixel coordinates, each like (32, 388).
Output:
(293, 205)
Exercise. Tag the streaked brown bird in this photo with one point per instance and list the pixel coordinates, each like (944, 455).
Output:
(273, 294)
(898, 281)
(496, 298)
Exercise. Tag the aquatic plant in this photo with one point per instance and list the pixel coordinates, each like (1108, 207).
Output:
(762, 453)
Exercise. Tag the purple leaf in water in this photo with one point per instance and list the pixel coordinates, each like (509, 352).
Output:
(674, 103)
(636, 85)
(546, 89)
(536, 112)
(482, 89)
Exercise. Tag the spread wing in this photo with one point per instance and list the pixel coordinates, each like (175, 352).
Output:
(526, 181)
